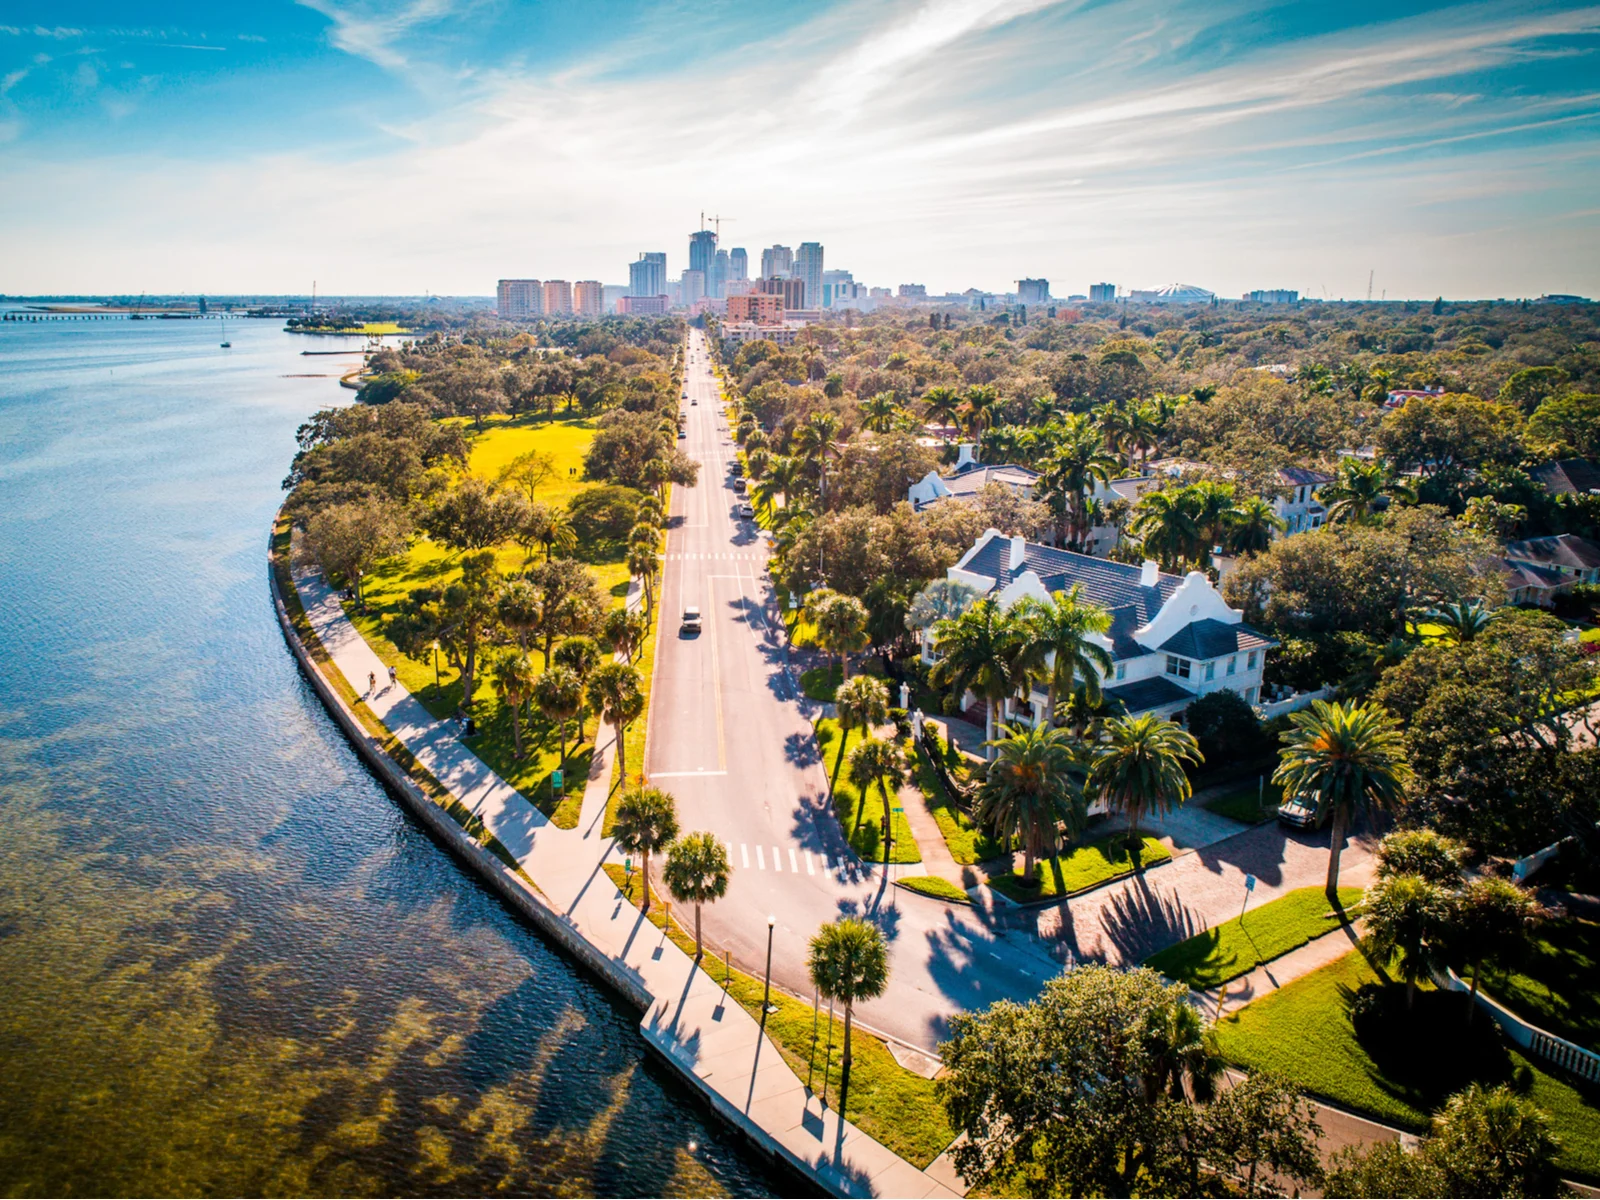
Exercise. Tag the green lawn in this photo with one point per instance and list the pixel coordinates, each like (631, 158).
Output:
(1081, 868)
(1404, 1071)
(1558, 987)
(427, 564)
(1241, 804)
(1239, 946)
(933, 885)
(887, 1102)
(862, 822)
(633, 741)
(820, 683)
(967, 843)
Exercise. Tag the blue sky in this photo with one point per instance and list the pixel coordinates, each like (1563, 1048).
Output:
(440, 144)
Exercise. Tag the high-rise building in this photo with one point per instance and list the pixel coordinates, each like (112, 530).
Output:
(614, 292)
(719, 274)
(808, 266)
(642, 305)
(703, 252)
(589, 298)
(1102, 293)
(648, 276)
(694, 288)
(777, 262)
(1033, 291)
(738, 264)
(519, 299)
(557, 298)
(793, 290)
(835, 283)
(1274, 296)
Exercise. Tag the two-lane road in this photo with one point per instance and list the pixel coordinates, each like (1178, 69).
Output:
(731, 739)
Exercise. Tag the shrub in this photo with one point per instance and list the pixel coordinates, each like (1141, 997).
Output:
(1227, 729)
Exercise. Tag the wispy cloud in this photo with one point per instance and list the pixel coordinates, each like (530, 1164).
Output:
(375, 35)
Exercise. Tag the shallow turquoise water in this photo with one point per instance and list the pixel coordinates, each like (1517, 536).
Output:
(229, 963)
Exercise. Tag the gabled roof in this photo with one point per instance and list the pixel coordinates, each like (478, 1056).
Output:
(1525, 575)
(1568, 476)
(1563, 550)
(1144, 694)
(1295, 476)
(1213, 639)
(974, 477)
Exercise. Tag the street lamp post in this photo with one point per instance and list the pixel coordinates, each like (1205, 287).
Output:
(435, 666)
(766, 997)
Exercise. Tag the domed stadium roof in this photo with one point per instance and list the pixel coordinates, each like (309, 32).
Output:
(1181, 293)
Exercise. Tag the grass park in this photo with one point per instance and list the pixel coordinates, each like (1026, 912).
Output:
(1237, 947)
(862, 818)
(1555, 986)
(1082, 867)
(427, 564)
(1401, 1071)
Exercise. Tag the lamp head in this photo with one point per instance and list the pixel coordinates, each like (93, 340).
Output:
(771, 921)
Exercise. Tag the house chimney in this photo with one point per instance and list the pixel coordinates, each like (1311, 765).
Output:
(1149, 572)
(1019, 548)
(966, 455)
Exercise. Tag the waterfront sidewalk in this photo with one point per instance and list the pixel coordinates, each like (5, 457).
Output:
(691, 1021)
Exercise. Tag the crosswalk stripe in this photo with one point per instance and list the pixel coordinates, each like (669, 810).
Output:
(794, 864)
(744, 853)
(761, 861)
(811, 867)
(777, 862)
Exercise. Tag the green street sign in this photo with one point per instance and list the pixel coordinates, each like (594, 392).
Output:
(556, 780)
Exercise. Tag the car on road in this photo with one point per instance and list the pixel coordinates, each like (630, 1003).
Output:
(739, 484)
(745, 509)
(696, 400)
(691, 620)
(1302, 812)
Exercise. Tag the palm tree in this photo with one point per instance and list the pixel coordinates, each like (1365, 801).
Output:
(1502, 1142)
(813, 442)
(1343, 757)
(1462, 620)
(1072, 470)
(978, 408)
(697, 873)
(974, 652)
(940, 404)
(1058, 643)
(1253, 526)
(559, 695)
(841, 625)
(1138, 767)
(645, 566)
(1407, 920)
(1182, 1053)
(1166, 523)
(879, 762)
(1034, 785)
(1491, 920)
(625, 629)
(849, 961)
(783, 472)
(514, 677)
(1355, 494)
(615, 693)
(1215, 513)
(520, 608)
(862, 703)
(1144, 422)
(878, 412)
(647, 820)
(1116, 430)
(939, 601)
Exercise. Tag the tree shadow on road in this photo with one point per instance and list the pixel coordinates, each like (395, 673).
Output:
(1139, 921)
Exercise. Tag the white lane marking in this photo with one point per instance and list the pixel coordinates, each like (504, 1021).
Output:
(777, 860)
(682, 774)
(825, 864)
(761, 860)
(744, 853)
(811, 867)
(794, 863)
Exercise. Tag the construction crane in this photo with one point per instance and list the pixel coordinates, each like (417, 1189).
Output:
(715, 220)
(1370, 274)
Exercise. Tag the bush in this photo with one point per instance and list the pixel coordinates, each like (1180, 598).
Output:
(1228, 730)
(604, 512)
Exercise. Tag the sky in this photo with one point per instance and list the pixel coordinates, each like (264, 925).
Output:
(438, 145)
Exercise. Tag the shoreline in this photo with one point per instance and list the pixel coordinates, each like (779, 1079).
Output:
(523, 893)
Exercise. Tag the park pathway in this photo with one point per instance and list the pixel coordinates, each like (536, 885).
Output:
(690, 1020)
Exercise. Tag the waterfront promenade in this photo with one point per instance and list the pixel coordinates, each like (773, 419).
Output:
(690, 1020)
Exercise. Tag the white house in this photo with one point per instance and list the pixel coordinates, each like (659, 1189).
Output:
(1300, 509)
(968, 479)
(1171, 638)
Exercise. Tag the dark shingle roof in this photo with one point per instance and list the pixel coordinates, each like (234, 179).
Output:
(974, 479)
(1521, 575)
(1568, 475)
(1144, 694)
(1213, 639)
(1299, 475)
(1563, 550)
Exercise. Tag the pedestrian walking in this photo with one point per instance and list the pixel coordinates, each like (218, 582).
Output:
(372, 682)
(394, 676)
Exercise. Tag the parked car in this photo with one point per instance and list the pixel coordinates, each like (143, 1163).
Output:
(739, 485)
(691, 620)
(682, 432)
(1302, 812)
(745, 509)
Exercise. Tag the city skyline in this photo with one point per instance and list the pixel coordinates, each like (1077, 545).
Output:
(1449, 149)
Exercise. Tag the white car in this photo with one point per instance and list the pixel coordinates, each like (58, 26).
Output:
(691, 620)
(745, 509)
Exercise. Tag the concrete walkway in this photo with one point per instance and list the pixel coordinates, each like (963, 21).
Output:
(1285, 969)
(690, 1020)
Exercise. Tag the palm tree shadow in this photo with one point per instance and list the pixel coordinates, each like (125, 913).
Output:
(1139, 921)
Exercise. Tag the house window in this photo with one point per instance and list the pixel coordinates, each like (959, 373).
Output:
(1211, 671)
(1177, 666)
(1250, 661)
(1233, 664)
(1122, 671)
